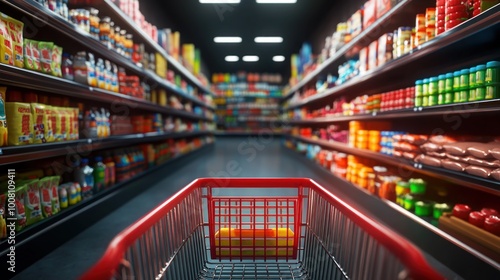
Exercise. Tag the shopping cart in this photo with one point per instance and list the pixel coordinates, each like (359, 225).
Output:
(220, 228)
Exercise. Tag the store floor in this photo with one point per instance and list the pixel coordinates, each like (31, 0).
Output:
(236, 157)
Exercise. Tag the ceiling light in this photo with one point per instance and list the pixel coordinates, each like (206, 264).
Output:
(232, 58)
(227, 39)
(268, 39)
(219, 1)
(276, 1)
(278, 58)
(250, 58)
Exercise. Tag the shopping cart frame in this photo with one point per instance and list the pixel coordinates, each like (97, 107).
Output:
(416, 266)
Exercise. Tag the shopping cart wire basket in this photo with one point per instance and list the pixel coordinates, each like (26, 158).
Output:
(259, 228)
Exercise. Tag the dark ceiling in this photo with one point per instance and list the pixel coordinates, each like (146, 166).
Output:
(200, 23)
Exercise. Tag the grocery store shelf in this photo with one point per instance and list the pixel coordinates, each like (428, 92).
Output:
(365, 37)
(487, 22)
(14, 76)
(51, 232)
(478, 107)
(463, 179)
(58, 23)
(264, 131)
(18, 154)
(131, 25)
(419, 230)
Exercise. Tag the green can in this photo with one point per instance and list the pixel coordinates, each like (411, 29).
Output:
(491, 91)
(464, 96)
(425, 87)
(408, 202)
(456, 81)
(425, 101)
(433, 100)
(433, 86)
(448, 84)
(492, 72)
(480, 93)
(423, 208)
(464, 79)
(418, 88)
(472, 84)
(441, 84)
(439, 209)
(480, 76)
(418, 101)
(441, 99)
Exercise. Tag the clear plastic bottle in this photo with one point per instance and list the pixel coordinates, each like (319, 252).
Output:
(88, 187)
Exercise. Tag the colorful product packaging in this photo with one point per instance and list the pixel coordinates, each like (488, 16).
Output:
(15, 28)
(32, 202)
(19, 123)
(383, 6)
(3, 119)
(369, 13)
(54, 194)
(56, 61)
(46, 56)
(20, 197)
(42, 127)
(45, 185)
(6, 51)
(3, 214)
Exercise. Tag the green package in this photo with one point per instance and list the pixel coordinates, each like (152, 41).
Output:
(45, 196)
(54, 194)
(20, 209)
(45, 49)
(56, 60)
(32, 202)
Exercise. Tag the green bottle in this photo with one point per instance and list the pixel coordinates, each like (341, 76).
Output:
(99, 175)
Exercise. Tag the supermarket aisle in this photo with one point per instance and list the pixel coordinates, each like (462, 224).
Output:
(236, 157)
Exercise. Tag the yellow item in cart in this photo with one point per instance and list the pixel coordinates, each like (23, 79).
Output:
(19, 123)
(42, 127)
(15, 29)
(258, 242)
(6, 52)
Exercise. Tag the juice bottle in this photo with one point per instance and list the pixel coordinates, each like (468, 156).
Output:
(99, 175)
(110, 170)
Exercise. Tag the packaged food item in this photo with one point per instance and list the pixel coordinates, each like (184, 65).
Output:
(36, 54)
(42, 128)
(20, 197)
(3, 215)
(454, 165)
(28, 55)
(480, 171)
(54, 194)
(483, 162)
(75, 126)
(369, 13)
(32, 202)
(45, 185)
(6, 51)
(63, 197)
(15, 28)
(495, 174)
(84, 69)
(383, 6)
(428, 160)
(3, 119)
(482, 150)
(20, 123)
(459, 148)
(56, 61)
(66, 117)
(46, 56)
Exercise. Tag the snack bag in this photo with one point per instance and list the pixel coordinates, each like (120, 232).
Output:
(46, 56)
(3, 119)
(50, 137)
(32, 202)
(35, 53)
(55, 122)
(28, 55)
(20, 209)
(65, 123)
(56, 61)
(42, 128)
(45, 185)
(54, 194)
(20, 123)
(6, 52)
(15, 29)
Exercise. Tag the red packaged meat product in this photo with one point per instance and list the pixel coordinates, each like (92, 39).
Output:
(410, 156)
(495, 174)
(442, 139)
(415, 139)
(480, 171)
(495, 152)
(459, 148)
(482, 150)
(454, 165)
(428, 160)
(457, 158)
(483, 162)
(436, 154)
(431, 148)
(406, 147)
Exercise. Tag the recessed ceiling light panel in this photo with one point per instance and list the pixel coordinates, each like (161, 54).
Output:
(276, 1)
(250, 58)
(227, 40)
(219, 1)
(278, 58)
(232, 58)
(268, 39)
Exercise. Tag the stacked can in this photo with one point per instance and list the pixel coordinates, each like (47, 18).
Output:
(440, 16)
(457, 11)
(420, 29)
(430, 23)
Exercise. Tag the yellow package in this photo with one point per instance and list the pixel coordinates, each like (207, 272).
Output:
(52, 118)
(15, 28)
(61, 124)
(42, 127)
(3, 119)
(50, 137)
(6, 53)
(19, 123)
(66, 122)
(70, 122)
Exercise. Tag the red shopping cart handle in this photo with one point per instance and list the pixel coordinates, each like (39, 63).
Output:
(408, 254)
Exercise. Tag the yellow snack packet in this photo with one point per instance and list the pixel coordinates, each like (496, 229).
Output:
(42, 127)
(20, 123)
